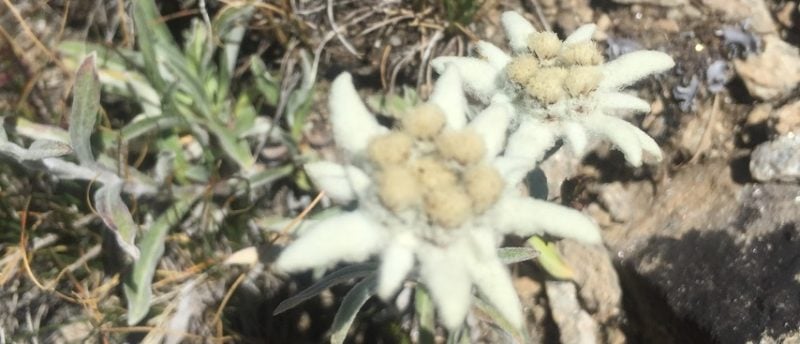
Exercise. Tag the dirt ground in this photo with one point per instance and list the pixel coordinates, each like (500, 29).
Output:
(701, 247)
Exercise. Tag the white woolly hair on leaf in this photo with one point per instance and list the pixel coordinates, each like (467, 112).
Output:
(341, 183)
(353, 125)
(349, 237)
(581, 34)
(620, 134)
(576, 137)
(616, 102)
(445, 275)
(491, 124)
(648, 144)
(526, 216)
(525, 148)
(494, 282)
(448, 93)
(493, 54)
(396, 262)
(479, 77)
(632, 67)
(491, 277)
(517, 30)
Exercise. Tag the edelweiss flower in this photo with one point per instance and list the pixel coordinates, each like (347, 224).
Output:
(428, 196)
(560, 89)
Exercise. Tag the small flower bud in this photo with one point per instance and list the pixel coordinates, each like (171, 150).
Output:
(581, 80)
(448, 207)
(464, 146)
(547, 85)
(393, 148)
(484, 185)
(433, 173)
(424, 121)
(522, 68)
(583, 54)
(398, 188)
(544, 44)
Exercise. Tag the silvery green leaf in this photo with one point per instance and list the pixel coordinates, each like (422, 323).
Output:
(230, 24)
(41, 149)
(68, 170)
(85, 105)
(350, 306)
(148, 124)
(236, 149)
(37, 131)
(511, 255)
(137, 288)
(153, 37)
(337, 277)
(115, 214)
(423, 306)
(265, 82)
(487, 309)
(165, 166)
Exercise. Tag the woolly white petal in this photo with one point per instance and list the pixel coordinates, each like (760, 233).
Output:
(581, 34)
(353, 125)
(632, 67)
(478, 76)
(449, 95)
(648, 144)
(493, 281)
(492, 124)
(619, 133)
(494, 55)
(525, 148)
(396, 262)
(527, 216)
(350, 237)
(445, 275)
(616, 101)
(517, 30)
(341, 183)
(491, 276)
(575, 135)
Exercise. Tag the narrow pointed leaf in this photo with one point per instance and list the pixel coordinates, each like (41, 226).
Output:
(138, 281)
(83, 115)
(550, 260)
(423, 306)
(350, 306)
(337, 277)
(117, 217)
(511, 255)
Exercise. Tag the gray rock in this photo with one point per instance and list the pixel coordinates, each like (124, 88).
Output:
(760, 75)
(777, 160)
(712, 260)
(665, 3)
(575, 326)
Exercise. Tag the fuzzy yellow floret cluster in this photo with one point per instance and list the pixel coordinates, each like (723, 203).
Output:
(425, 167)
(551, 70)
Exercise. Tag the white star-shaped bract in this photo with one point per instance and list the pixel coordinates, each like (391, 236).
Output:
(447, 253)
(570, 94)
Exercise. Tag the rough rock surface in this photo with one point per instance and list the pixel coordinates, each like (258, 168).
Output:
(777, 160)
(600, 291)
(714, 261)
(575, 325)
(773, 73)
(787, 118)
(665, 3)
(754, 11)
